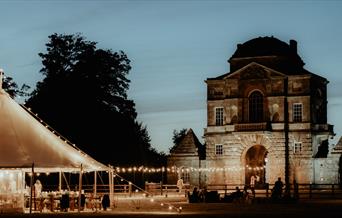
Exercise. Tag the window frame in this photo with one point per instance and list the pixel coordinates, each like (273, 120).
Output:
(295, 112)
(219, 120)
(218, 149)
(256, 107)
(297, 146)
(185, 175)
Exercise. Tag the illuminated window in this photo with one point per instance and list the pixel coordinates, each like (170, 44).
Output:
(297, 112)
(219, 116)
(219, 150)
(186, 176)
(297, 147)
(256, 107)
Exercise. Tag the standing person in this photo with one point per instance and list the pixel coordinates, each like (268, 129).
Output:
(105, 201)
(180, 185)
(277, 189)
(295, 189)
(252, 182)
(38, 188)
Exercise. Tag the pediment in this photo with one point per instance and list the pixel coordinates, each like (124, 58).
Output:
(254, 71)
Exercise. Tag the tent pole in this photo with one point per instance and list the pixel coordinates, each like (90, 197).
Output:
(66, 181)
(31, 186)
(95, 184)
(111, 184)
(60, 181)
(79, 190)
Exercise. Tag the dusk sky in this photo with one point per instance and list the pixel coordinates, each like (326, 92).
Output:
(174, 47)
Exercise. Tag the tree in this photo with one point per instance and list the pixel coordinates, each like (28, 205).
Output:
(84, 97)
(12, 89)
(177, 137)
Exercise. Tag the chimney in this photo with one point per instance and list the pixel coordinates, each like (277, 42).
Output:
(293, 46)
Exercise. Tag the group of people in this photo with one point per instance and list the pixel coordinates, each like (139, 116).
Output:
(239, 196)
(68, 200)
(197, 195)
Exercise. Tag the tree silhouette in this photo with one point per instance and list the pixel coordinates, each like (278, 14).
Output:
(84, 97)
(12, 88)
(177, 138)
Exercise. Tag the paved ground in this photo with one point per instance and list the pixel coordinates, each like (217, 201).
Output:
(140, 207)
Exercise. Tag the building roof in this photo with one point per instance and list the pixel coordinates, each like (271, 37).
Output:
(189, 145)
(25, 141)
(266, 46)
(270, 52)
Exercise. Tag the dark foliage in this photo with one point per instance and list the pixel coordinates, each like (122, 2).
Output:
(84, 97)
(12, 88)
(177, 137)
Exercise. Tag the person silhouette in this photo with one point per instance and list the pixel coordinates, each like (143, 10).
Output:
(194, 197)
(252, 182)
(277, 189)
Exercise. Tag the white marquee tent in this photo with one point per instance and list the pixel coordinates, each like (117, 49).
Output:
(24, 142)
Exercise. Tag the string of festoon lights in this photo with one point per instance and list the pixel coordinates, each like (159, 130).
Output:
(52, 130)
(138, 189)
(176, 169)
(115, 174)
(149, 195)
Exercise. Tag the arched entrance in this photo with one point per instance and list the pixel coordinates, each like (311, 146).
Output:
(255, 165)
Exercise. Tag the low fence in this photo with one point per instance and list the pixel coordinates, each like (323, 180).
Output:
(302, 191)
(166, 189)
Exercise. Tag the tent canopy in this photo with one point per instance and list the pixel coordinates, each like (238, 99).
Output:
(24, 141)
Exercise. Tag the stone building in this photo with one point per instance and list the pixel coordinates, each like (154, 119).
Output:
(185, 159)
(267, 117)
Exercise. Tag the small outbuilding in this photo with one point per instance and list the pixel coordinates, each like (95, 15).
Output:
(186, 159)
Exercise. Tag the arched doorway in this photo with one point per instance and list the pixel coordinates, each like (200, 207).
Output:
(256, 158)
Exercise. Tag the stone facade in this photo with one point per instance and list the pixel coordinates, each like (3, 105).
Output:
(185, 160)
(266, 118)
(266, 112)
